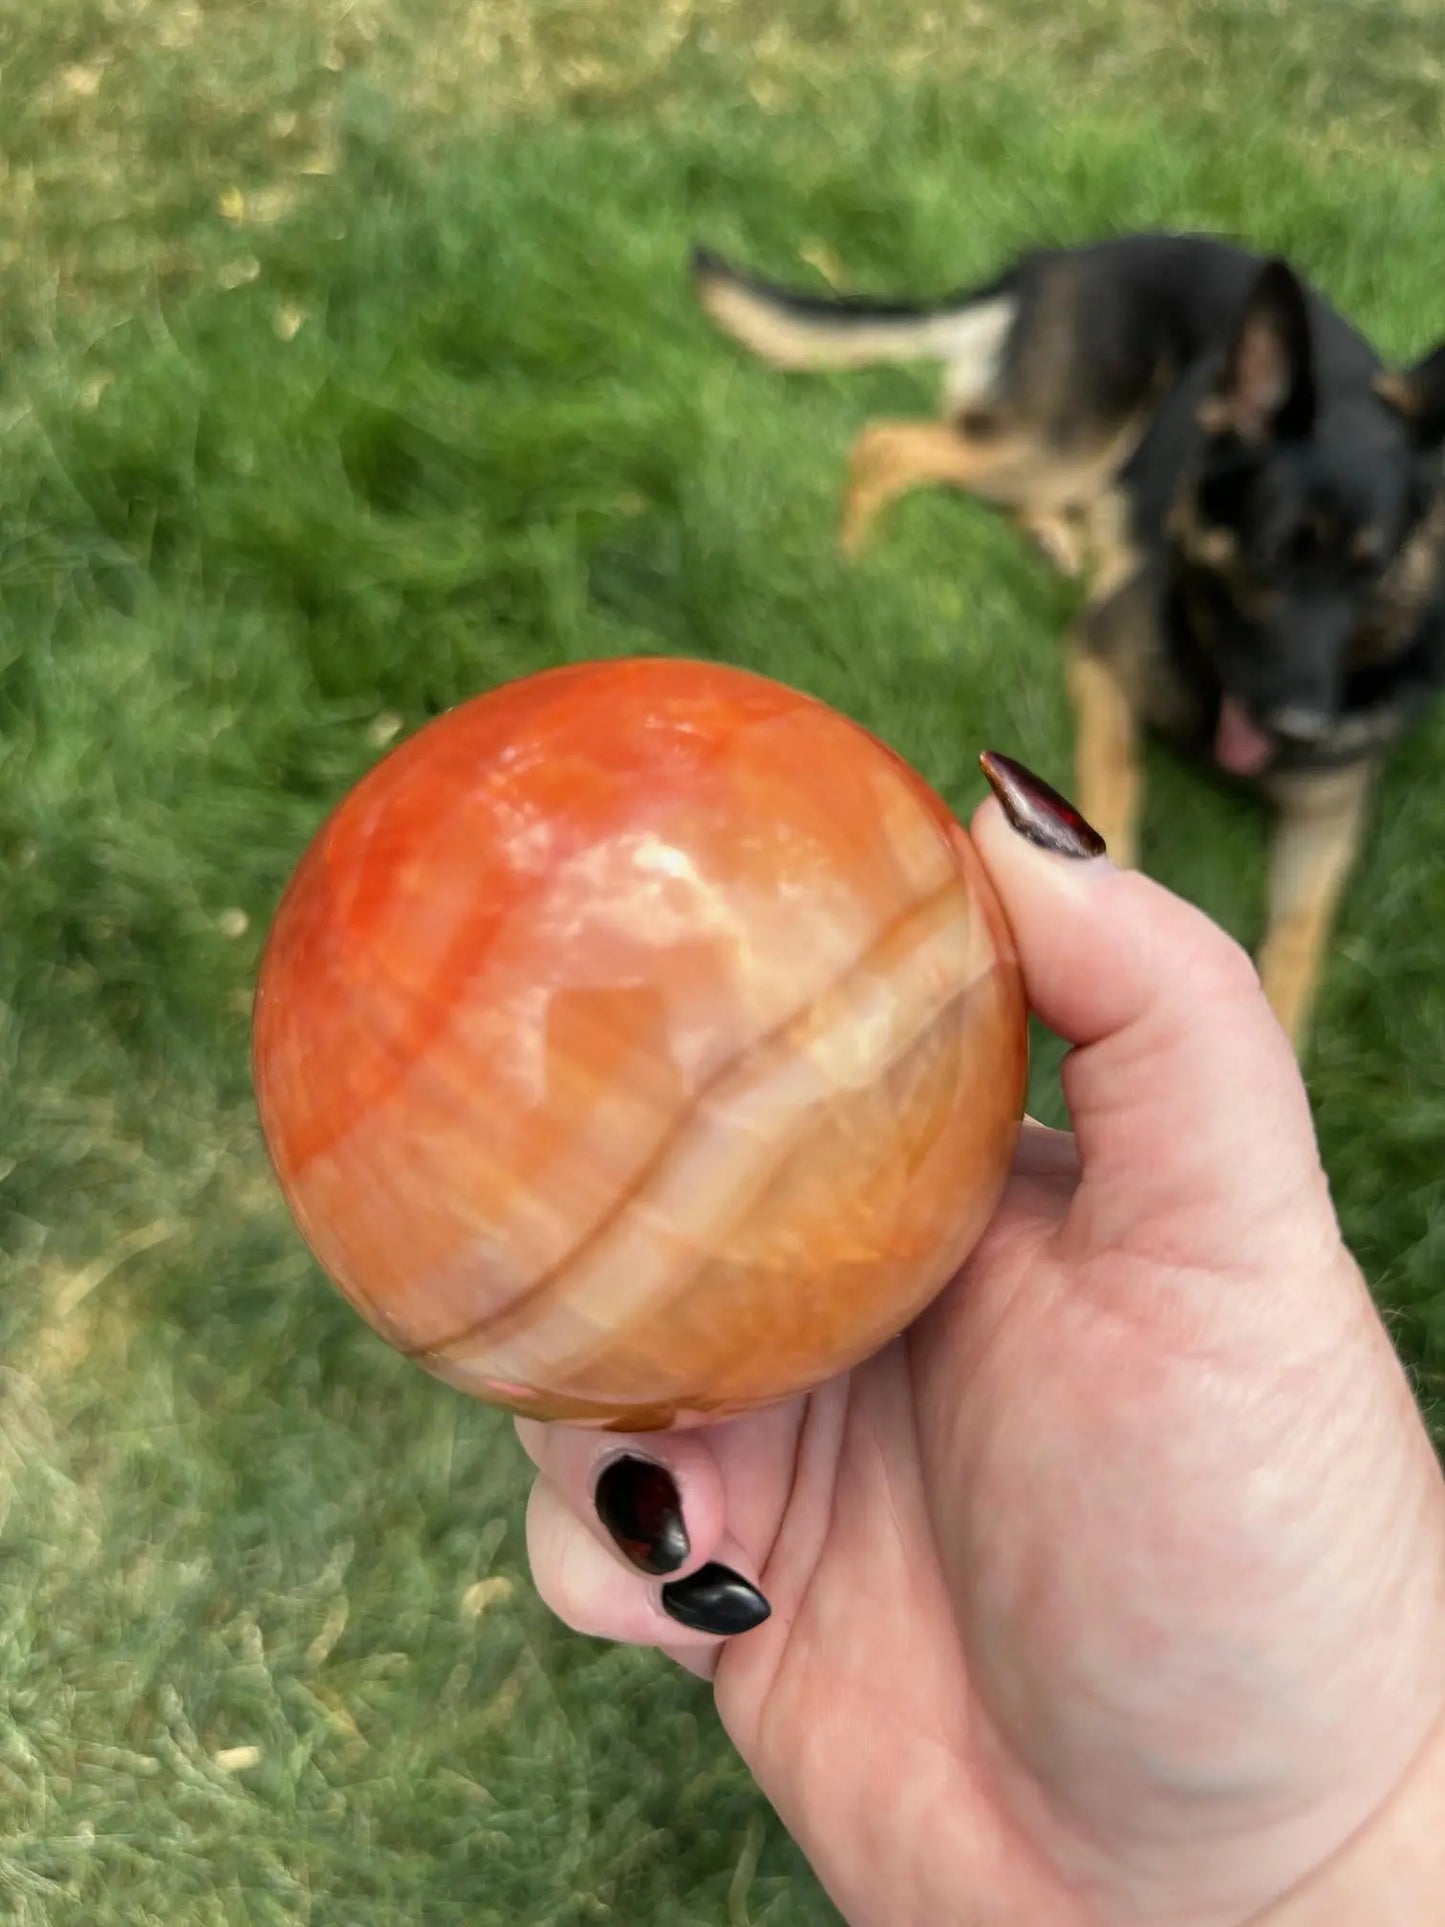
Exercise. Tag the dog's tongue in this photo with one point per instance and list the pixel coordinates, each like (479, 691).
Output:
(1240, 745)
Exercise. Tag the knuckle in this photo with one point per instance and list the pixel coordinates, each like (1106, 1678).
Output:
(1222, 972)
(1209, 967)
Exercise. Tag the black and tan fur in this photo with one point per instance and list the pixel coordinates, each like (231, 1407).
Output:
(1255, 500)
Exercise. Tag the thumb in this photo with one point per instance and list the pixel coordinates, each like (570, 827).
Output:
(1194, 1130)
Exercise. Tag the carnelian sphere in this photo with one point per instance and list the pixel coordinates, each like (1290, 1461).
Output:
(639, 1043)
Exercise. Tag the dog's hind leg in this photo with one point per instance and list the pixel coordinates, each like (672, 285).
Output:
(1062, 497)
(969, 449)
(888, 459)
(1005, 466)
(1317, 837)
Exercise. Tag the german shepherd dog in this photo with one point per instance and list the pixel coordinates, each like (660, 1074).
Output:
(1256, 501)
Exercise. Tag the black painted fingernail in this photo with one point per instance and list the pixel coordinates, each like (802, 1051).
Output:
(715, 1599)
(639, 1504)
(1038, 812)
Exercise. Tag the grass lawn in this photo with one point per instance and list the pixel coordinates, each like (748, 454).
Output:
(347, 369)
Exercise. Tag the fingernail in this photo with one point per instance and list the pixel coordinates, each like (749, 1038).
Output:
(638, 1502)
(1038, 812)
(715, 1599)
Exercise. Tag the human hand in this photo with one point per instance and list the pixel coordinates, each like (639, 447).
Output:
(1114, 1590)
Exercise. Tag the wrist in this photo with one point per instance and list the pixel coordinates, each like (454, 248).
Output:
(1391, 1872)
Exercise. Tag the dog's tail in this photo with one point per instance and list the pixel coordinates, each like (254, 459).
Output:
(793, 330)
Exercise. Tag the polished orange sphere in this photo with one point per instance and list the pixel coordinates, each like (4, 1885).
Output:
(639, 1043)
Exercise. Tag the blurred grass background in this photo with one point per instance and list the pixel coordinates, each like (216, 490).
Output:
(347, 367)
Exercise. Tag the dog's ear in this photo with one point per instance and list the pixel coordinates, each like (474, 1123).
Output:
(1417, 395)
(1266, 387)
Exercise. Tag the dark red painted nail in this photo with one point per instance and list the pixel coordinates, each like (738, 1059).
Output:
(639, 1504)
(1038, 812)
(715, 1599)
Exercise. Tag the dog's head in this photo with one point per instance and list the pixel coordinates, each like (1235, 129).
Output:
(1306, 535)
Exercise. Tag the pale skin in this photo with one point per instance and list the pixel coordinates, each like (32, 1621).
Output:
(1113, 1593)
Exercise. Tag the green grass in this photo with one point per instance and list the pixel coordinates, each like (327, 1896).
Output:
(348, 369)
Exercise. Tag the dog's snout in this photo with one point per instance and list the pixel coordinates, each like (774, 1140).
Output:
(1300, 725)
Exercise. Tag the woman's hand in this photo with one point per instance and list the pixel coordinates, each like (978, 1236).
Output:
(1114, 1590)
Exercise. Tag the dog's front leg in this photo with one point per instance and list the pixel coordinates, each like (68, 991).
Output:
(1317, 837)
(1108, 769)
